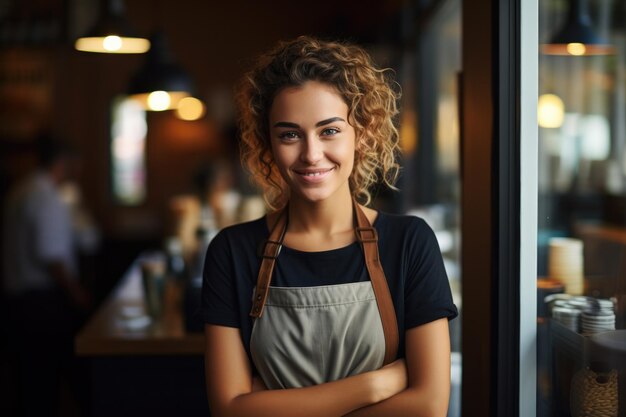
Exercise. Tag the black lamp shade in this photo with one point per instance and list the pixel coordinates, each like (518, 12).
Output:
(160, 73)
(577, 36)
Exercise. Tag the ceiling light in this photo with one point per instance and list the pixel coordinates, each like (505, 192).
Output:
(112, 33)
(160, 83)
(577, 36)
(190, 108)
(550, 111)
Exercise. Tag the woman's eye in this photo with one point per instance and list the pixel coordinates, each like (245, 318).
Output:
(288, 135)
(330, 131)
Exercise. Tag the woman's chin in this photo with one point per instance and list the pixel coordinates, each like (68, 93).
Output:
(316, 196)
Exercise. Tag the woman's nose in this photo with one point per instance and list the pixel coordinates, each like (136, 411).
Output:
(312, 150)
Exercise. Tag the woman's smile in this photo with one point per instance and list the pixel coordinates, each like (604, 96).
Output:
(312, 142)
(313, 176)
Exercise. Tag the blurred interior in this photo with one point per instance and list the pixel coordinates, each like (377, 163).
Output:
(153, 187)
(581, 198)
(158, 175)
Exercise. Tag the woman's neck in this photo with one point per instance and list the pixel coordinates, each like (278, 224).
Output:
(323, 218)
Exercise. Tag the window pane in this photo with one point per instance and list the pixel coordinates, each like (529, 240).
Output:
(128, 143)
(582, 208)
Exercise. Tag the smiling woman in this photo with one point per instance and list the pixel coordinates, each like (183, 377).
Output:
(324, 307)
(368, 93)
(312, 144)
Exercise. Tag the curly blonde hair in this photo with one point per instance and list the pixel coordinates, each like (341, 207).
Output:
(367, 90)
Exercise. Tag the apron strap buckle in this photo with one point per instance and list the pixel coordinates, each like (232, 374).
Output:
(366, 234)
(271, 249)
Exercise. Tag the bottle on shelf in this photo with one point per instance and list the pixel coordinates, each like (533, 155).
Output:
(204, 233)
(176, 266)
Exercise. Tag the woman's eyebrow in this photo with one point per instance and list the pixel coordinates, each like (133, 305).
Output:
(328, 121)
(318, 124)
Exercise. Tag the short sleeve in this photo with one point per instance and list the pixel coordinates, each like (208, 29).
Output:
(219, 293)
(427, 289)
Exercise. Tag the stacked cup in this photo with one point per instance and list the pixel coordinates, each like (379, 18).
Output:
(567, 316)
(600, 317)
(565, 263)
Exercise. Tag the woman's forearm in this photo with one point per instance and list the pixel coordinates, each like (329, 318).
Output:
(335, 398)
(233, 392)
(331, 399)
(408, 403)
(428, 368)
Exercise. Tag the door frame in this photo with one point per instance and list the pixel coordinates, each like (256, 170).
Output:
(499, 194)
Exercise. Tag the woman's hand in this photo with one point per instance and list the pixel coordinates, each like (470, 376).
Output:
(385, 382)
(420, 386)
(232, 391)
(427, 372)
(389, 380)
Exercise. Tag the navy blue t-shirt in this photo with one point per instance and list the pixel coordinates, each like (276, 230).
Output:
(409, 254)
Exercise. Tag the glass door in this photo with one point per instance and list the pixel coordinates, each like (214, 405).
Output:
(581, 229)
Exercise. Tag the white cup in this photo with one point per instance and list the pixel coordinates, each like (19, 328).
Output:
(565, 263)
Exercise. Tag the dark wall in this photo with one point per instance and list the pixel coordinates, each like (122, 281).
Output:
(214, 41)
(47, 85)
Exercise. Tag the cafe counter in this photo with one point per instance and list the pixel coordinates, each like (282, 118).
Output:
(140, 365)
(122, 327)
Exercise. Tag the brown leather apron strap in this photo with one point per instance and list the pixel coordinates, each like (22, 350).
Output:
(368, 238)
(270, 251)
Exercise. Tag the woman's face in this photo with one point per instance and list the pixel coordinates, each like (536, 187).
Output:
(312, 143)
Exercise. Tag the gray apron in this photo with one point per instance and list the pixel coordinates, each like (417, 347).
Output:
(303, 336)
(311, 335)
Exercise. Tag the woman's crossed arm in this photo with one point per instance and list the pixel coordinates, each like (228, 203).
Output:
(428, 367)
(231, 394)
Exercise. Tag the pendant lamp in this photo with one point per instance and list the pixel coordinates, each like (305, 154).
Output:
(112, 33)
(577, 36)
(160, 83)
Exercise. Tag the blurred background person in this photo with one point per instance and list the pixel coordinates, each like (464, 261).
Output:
(44, 230)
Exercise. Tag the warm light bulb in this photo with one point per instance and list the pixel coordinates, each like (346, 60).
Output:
(576, 49)
(112, 43)
(159, 101)
(550, 111)
(190, 108)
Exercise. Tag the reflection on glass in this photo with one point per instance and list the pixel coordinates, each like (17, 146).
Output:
(128, 142)
(550, 111)
(576, 48)
(581, 286)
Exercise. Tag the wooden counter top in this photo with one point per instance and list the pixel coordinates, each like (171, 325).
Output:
(606, 232)
(120, 326)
